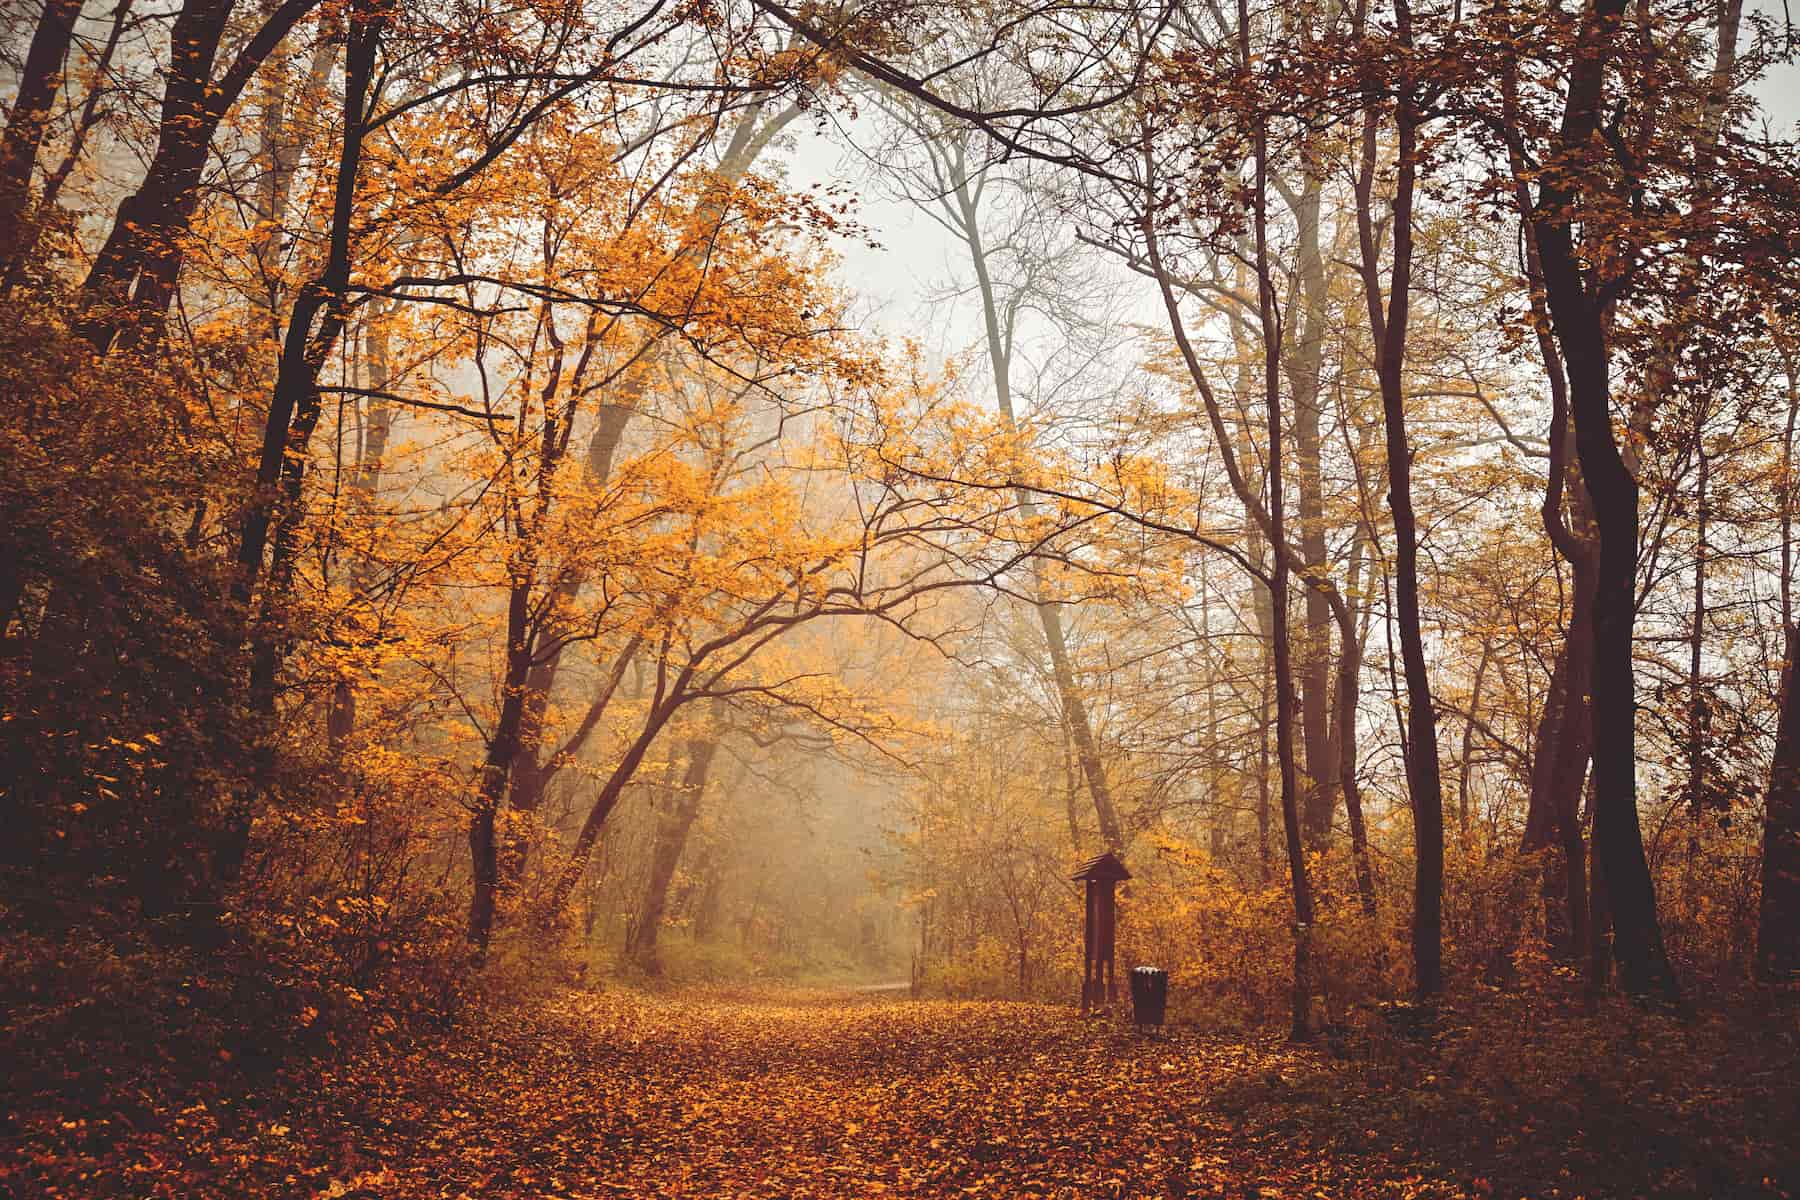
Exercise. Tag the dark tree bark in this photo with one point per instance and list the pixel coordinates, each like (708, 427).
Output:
(672, 831)
(320, 312)
(28, 121)
(132, 280)
(1618, 839)
(1388, 330)
(293, 412)
(1302, 1029)
(662, 708)
(496, 767)
(1778, 916)
(1577, 316)
(1564, 737)
(1600, 928)
(1565, 881)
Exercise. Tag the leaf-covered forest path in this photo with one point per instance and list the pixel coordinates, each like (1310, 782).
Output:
(841, 1095)
(844, 1096)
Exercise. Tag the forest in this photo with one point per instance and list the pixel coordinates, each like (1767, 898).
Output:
(579, 579)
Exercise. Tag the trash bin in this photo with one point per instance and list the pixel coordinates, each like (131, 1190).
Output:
(1149, 995)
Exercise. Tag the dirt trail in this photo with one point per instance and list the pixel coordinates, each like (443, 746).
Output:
(810, 1095)
(626, 1095)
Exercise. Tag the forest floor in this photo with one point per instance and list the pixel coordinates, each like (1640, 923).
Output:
(841, 1095)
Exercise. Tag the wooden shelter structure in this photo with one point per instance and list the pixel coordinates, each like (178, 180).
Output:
(1099, 927)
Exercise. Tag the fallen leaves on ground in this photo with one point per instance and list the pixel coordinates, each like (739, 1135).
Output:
(624, 1094)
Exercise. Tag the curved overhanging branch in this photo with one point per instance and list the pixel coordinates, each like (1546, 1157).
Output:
(1010, 127)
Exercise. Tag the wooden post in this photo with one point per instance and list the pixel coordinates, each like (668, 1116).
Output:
(1099, 927)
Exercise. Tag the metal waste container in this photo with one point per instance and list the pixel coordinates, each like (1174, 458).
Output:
(1149, 995)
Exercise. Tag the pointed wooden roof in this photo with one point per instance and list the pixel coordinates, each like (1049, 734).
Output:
(1102, 868)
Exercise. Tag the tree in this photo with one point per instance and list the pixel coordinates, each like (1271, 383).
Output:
(1778, 917)
(27, 122)
(132, 280)
(1388, 330)
(953, 194)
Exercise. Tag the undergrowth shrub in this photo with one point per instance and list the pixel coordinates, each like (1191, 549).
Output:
(158, 828)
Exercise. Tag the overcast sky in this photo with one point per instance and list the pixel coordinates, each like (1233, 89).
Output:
(916, 257)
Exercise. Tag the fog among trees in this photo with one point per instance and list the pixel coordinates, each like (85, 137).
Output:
(601, 566)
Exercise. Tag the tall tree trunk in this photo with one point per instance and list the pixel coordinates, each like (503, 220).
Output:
(1778, 915)
(1222, 818)
(1262, 604)
(132, 280)
(1564, 737)
(1074, 706)
(1618, 840)
(1304, 364)
(1540, 819)
(340, 719)
(295, 406)
(1578, 319)
(1466, 763)
(1389, 330)
(1349, 684)
(1303, 1024)
(1558, 772)
(1302, 1028)
(1269, 514)
(293, 412)
(28, 121)
(1352, 637)
(665, 856)
(1699, 714)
